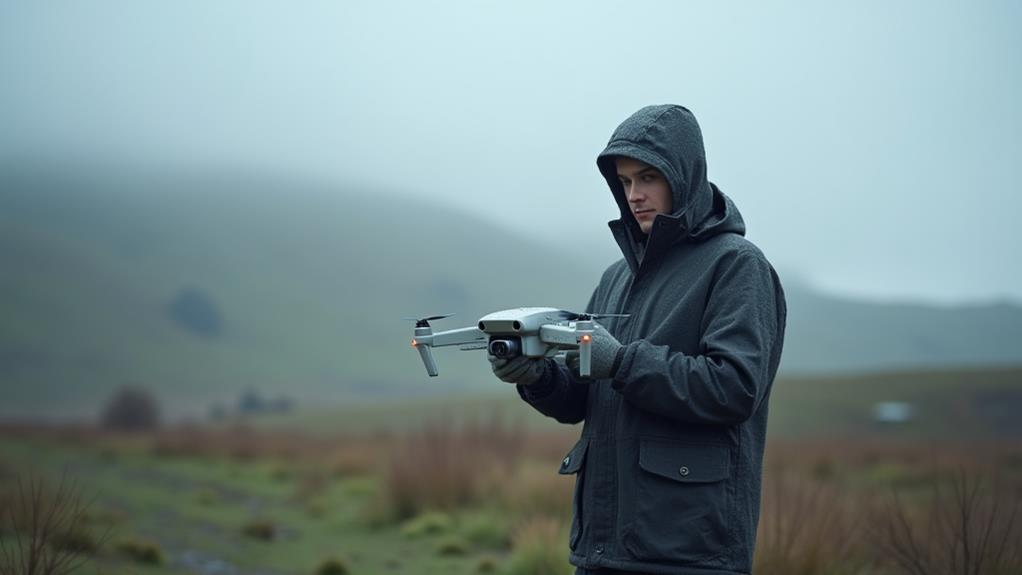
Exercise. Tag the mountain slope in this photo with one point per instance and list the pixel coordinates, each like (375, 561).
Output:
(207, 284)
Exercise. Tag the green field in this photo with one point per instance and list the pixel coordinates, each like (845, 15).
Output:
(948, 405)
(469, 484)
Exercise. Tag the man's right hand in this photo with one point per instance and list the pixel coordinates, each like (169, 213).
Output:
(520, 370)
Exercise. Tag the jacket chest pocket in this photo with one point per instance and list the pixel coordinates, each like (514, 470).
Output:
(574, 464)
(679, 503)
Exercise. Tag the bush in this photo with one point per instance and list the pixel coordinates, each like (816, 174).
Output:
(486, 565)
(141, 551)
(259, 529)
(49, 524)
(332, 566)
(433, 523)
(487, 530)
(452, 547)
(969, 525)
(131, 409)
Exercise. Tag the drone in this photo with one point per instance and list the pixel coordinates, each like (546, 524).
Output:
(509, 333)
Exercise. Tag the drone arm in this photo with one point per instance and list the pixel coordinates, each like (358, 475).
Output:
(426, 352)
(457, 337)
(559, 335)
(571, 338)
(425, 341)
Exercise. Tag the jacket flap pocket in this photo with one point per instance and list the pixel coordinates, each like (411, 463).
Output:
(572, 462)
(684, 462)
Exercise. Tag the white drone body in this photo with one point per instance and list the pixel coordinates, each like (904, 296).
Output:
(528, 331)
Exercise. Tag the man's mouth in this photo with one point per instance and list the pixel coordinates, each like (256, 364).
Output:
(645, 211)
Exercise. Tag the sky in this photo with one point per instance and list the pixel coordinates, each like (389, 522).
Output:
(873, 148)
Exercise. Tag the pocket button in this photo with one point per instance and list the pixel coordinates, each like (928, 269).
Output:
(683, 471)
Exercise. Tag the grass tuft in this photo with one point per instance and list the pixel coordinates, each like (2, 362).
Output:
(539, 549)
(332, 566)
(260, 529)
(141, 551)
(430, 523)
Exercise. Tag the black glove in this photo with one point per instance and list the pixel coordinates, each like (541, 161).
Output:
(521, 370)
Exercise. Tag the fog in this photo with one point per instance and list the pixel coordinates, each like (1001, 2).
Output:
(873, 148)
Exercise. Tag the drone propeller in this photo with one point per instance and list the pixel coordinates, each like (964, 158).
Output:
(424, 321)
(573, 316)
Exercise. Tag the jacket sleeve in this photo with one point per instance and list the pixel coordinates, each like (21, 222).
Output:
(742, 334)
(560, 394)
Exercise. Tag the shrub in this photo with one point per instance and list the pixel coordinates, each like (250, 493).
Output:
(486, 565)
(431, 523)
(141, 550)
(968, 526)
(332, 566)
(486, 530)
(49, 524)
(259, 529)
(131, 409)
(452, 546)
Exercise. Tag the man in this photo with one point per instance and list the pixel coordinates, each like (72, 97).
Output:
(669, 461)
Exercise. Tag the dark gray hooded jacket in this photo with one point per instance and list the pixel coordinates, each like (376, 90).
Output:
(669, 462)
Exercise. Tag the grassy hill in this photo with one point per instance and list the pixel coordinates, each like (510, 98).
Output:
(202, 287)
(206, 284)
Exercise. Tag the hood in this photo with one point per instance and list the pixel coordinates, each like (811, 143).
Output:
(668, 138)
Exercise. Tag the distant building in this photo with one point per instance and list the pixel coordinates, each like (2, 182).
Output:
(893, 411)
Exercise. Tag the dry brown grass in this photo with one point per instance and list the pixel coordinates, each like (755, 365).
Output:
(966, 525)
(809, 527)
(49, 535)
(539, 548)
(445, 466)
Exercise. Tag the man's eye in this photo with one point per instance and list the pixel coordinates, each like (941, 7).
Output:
(647, 178)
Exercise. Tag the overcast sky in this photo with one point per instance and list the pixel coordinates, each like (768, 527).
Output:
(874, 148)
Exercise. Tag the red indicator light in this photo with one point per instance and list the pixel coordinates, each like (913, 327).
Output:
(414, 343)
(587, 337)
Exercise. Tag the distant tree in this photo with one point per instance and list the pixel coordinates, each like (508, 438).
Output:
(251, 402)
(132, 408)
(194, 310)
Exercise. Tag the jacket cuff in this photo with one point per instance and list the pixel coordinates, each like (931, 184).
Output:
(540, 389)
(617, 361)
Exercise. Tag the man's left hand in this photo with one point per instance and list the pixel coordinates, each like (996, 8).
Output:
(605, 348)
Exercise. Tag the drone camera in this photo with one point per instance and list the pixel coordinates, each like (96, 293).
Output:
(482, 326)
(517, 325)
(505, 348)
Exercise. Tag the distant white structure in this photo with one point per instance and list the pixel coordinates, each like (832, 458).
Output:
(893, 411)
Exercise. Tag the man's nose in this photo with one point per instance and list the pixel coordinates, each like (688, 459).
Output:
(635, 195)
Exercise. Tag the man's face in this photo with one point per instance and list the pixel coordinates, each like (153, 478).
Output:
(646, 189)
